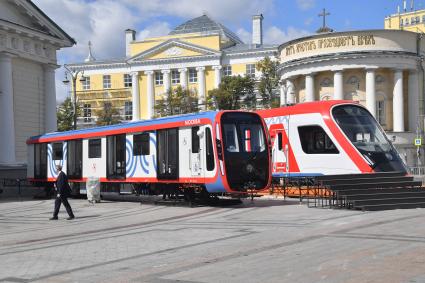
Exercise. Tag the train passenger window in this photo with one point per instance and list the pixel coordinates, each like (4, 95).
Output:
(209, 150)
(279, 141)
(314, 140)
(57, 151)
(141, 144)
(95, 148)
(195, 140)
(40, 160)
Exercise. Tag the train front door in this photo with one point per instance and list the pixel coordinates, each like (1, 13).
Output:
(115, 156)
(168, 154)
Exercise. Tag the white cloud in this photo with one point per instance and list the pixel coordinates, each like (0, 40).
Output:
(244, 35)
(155, 29)
(274, 35)
(306, 4)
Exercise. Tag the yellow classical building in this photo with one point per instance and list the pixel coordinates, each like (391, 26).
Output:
(409, 20)
(195, 55)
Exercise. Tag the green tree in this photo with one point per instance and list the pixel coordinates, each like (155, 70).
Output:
(269, 83)
(234, 92)
(177, 101)
(65, 115)
(109, 115)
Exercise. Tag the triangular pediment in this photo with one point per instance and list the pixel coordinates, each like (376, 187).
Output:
(173, 48)
(27, 16)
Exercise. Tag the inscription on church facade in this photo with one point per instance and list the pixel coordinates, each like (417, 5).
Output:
(330, 42)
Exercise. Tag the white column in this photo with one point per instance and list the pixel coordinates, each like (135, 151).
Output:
(183, 77)
(309, 87)
(217, 73)
(7, 120)
(413, 100)
(150, 94)
(282, 85)
(135, 95)
(201, 88)
(371, 91)
(398, 107)
(167, 80)
(50, 119)
(338, 85)
(290, 94)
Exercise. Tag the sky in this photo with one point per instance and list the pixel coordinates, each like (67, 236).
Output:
(103, 22)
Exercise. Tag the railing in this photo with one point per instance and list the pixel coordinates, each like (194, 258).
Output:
(418, 171)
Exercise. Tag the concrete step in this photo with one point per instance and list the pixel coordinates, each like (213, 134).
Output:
(385, 201)
(391, 206)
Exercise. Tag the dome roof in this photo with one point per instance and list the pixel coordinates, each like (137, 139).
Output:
(205, 25)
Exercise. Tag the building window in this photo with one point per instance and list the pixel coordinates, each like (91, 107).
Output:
(401, 22)
(87, 113)
(227, 71)
(417, 20)
(86, 83)
(127, 80)
(159, 78)
(406, 22)
(250, 70)
(193, 75)
(107, 81)
(423, 19)
(326, 82)
(95, 148)
(141, 144)
(57, 151)
(380, 112)
(128, 110)
(175, 77)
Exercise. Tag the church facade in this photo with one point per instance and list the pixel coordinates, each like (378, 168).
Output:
(29, 41)
(381, 69)
(195, 55)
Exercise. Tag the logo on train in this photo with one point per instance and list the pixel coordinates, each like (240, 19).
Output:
(192, 122)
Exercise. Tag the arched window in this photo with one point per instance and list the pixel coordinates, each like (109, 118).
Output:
(325, 97)
(381, 116)
(326, 82)
(353, 80)
(379, 79)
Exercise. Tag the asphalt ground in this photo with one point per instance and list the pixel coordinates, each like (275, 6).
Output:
(268, 240)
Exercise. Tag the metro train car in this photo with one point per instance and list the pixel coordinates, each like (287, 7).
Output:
(328, 138)
(221, 152)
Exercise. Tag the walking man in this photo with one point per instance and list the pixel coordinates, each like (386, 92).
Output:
(63, 191)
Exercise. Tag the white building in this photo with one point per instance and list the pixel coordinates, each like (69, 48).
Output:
(29, 41)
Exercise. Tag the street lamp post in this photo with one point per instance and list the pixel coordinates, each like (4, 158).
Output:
(74, 75)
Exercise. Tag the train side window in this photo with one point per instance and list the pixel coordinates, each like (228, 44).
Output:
(209, 150)
(57, 151)
(314, 140)
(279, 141)
(195, 140)
(95, 148)
(141, 144)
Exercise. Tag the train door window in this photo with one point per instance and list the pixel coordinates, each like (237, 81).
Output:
(40, 161)
(195, 140)
(141, 144)
(209, 150)
(57, 151)
(279, 141)
(75, 159)
(231, 136)
(314, 140)
(167, 154)
(95, 148)
(115, 155)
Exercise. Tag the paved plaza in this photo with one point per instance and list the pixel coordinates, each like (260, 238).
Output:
(269, 240)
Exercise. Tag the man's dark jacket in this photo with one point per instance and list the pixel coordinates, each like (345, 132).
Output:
(62, 184)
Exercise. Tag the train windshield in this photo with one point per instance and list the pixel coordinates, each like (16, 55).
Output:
(366, 135)
(245, 150)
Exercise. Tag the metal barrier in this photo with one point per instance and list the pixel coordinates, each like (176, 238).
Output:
(417, 171)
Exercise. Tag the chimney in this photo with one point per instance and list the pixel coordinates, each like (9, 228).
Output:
(130, 36)
(257, 29)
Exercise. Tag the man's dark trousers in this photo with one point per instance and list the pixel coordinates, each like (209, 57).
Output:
(62, 199)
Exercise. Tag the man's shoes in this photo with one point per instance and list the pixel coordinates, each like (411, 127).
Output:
(70, 218)
(53, 218)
